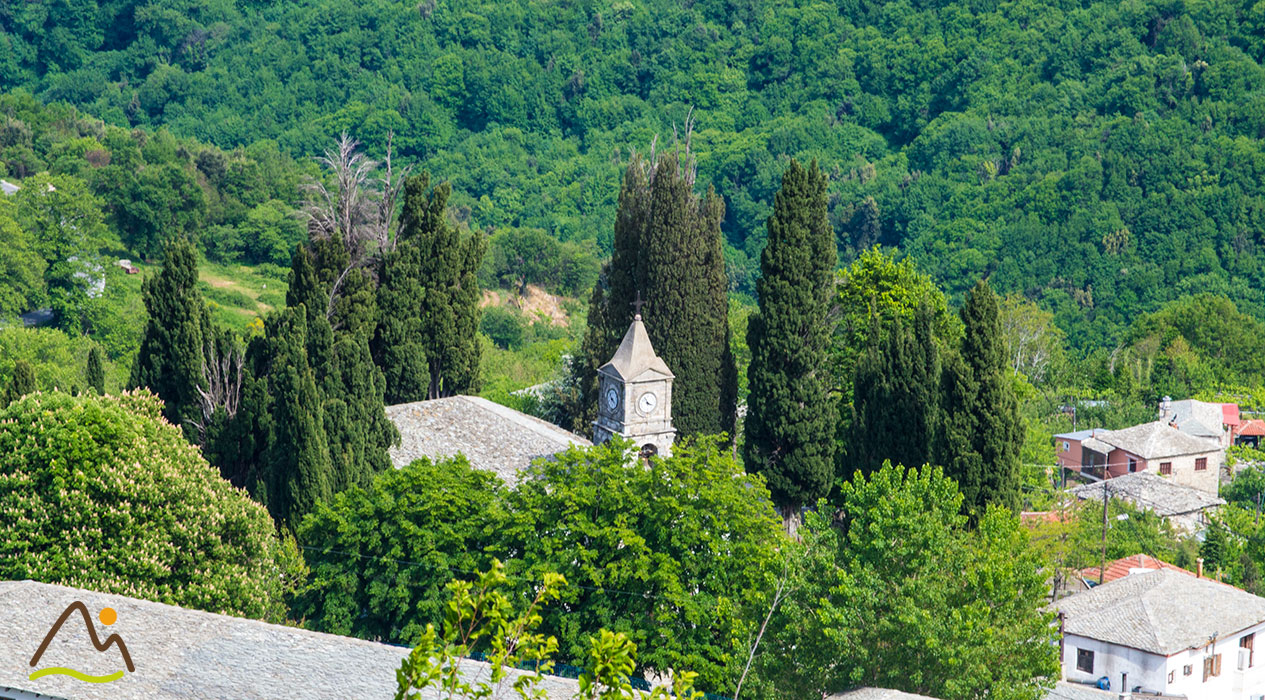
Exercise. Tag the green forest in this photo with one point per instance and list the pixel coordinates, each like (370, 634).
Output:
(1098, 158)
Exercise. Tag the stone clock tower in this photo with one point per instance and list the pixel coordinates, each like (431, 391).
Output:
(635, 395)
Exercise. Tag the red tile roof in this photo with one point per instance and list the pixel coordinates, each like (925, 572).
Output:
(1122, 567)
(1255, 426)
(1230, 413)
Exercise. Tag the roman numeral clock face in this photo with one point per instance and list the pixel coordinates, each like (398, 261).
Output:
(647, 401)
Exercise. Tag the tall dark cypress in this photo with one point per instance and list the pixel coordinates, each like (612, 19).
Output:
(430, 282)
(790, 416)
(980, 430)
(686, 312)
(896, 397)
(298, 462)
(21, 383)
(96, 371)
(307, 290)
(610, 307)
(170, 358)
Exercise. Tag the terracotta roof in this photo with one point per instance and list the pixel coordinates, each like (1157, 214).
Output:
(1030, 517)
(181, 654)
(635, 355)
(1130, 565)
(493, 437)
(1161, 612)
(1255, 426)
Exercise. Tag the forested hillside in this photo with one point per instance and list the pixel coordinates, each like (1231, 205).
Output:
(1099, 157)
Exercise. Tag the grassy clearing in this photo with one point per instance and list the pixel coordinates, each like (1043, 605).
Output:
(238, 294)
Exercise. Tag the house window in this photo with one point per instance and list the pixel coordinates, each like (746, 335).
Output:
(1133, 465)
(1085, 660)
(1201, 464)
(1248, 641)
(1212, 666)
(1188, 669)
(1166, 467)
(1066, 446)
(1172, 675)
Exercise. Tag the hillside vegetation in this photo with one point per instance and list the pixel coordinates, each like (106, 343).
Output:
(1099, 157)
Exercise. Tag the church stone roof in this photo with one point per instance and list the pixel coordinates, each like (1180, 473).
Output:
(493, 437)
(182, 654)
(636, 356)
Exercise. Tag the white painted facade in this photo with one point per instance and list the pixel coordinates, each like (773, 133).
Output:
(1182, 673)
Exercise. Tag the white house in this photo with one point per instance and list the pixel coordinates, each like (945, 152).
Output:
(1165, 632)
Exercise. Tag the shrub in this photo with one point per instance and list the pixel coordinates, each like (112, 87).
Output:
(102, 493)
(503, 326)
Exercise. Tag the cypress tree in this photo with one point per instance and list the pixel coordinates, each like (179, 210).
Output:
(791, 418)
(896, 397)
(96, 371)
(305, 289)
(980, 431)
(22, 382)
(169, 361)
(610, 307)
(298, 464)
(687, 312)
(356, 425)
(429, 301)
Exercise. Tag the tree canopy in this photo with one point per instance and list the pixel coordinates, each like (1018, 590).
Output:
(103, 493)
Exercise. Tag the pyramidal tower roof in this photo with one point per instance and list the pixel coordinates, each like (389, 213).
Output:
(635, 355)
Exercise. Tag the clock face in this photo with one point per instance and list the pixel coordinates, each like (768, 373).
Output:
(612, 398)
(647, 402)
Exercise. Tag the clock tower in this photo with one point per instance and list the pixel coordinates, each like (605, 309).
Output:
(635, 395)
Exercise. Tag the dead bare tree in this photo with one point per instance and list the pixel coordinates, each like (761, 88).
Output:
(221, 385)
(359, 207)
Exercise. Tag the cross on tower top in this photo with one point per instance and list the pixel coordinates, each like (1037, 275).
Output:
(637, 304)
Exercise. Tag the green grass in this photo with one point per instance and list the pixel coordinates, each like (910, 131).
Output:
(239, 294)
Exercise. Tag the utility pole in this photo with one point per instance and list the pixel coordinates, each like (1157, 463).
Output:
(1102, 569)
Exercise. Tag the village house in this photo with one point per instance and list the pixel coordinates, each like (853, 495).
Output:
(1156, 447)
(181, 654)
(1185, 507)
(1165, 632)
(1135, 564)
(1250, 433)
(1217, 421)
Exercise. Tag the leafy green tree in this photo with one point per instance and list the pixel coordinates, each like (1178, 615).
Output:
(22, 382)
(380, 555)
(170, 358)
(691, 545)
(21, 267)
(167, 527)
(868, 603)
(791, 416)
(895, 397)
(96, 371)
(980, 432)
(480, 615)
(63, 220)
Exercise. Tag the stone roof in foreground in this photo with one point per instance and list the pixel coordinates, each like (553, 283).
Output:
(182, 654)
(1151, 492)
(1161, 612)
(493, 437)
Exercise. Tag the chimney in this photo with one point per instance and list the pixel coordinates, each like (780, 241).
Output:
(1199, 567)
